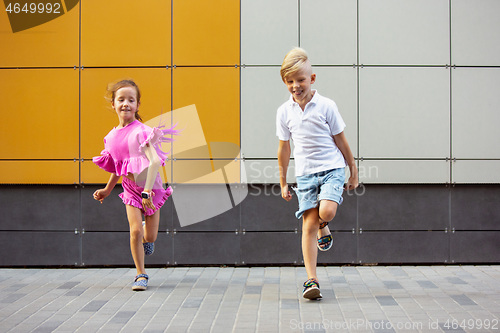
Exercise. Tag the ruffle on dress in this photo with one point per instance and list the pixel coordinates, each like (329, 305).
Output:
(105, 161)
(138, 162)
(158, 136)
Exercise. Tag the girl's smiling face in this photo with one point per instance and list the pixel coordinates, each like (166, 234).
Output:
(125, 104)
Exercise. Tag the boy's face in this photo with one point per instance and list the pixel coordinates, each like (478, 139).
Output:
(299, 84)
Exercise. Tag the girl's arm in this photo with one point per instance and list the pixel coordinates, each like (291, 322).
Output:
(101, 194)
(154, 166)
(341, 142)
(283, 161)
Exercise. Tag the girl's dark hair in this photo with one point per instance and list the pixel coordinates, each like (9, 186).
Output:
(114, 87)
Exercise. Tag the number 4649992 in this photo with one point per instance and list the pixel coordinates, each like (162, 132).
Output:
(34, 7)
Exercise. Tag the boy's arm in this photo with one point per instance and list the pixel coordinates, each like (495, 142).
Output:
(341, 142)
(283, 161)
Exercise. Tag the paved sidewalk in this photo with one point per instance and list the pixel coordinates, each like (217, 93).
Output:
(256, 299)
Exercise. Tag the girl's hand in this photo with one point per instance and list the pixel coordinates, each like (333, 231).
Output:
(352, 183)
(100, 195)
(285, 193)
(148, 203)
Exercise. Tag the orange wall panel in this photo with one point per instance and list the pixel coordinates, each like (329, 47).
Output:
(215, 92)
(126, 33)
(39, 172)
(51, 44)
(206, 32)
(98, 117)
(39, 114)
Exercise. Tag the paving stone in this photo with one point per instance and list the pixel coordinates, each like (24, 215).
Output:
(248, 299)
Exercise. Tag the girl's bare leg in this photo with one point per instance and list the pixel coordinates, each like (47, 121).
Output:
(136, 235)
(151, 227)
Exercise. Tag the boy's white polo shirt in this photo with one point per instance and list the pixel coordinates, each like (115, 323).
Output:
(312, 132)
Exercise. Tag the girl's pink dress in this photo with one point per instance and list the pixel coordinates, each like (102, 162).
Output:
(124, 153)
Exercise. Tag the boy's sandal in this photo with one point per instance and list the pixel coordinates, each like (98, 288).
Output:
(311, 289)
(149, 248)
(140, 285)
(325, 243)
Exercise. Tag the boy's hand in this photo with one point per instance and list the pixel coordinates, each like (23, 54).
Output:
(285, 193)
(352, 183)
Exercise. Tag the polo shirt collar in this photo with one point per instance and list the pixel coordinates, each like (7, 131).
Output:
(314, 99)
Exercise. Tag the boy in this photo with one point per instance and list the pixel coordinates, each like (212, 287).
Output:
(321, 154)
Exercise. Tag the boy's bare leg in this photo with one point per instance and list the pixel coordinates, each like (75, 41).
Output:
(136, 236)
(327, 211)
(310, 226)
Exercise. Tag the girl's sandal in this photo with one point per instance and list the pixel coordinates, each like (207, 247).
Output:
(140, 285)
(325, 243)
(149, 248)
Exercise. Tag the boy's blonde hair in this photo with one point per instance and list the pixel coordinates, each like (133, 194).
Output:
(293, 62)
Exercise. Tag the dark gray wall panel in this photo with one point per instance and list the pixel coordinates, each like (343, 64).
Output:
(475, 246)
(113, 248)
(270, 248)
(347, 213)
(206, 248)
(392, 223)
(207, 206)
(108, 216)
(403, 207)
(227, 221)
(43, 207)
(403, 247)
(265, 210)
(475, 207)
(344, 250)
(40, 248)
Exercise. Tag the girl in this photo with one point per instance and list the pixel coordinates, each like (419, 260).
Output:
(132, 150)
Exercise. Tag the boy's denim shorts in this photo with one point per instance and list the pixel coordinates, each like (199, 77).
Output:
(324, 185)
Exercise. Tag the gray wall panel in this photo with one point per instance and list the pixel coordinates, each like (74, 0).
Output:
(206, 248)
(475, 246)
(270, 248)
(399, 207)
(475, 207)
(403, 247)
(47, 207)
(392, 224)
(265, 210)
(108, 216)
(39, 248)
(344, 250)
(113, 248)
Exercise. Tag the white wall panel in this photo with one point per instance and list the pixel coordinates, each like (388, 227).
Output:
(341, 84)
(474, 171)
(476, 112)
(262, 92)
(396, 32)
(404, 112)
(328, 31)
(475, 40)
(404, 171)
(269, 29)
(267, 172)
